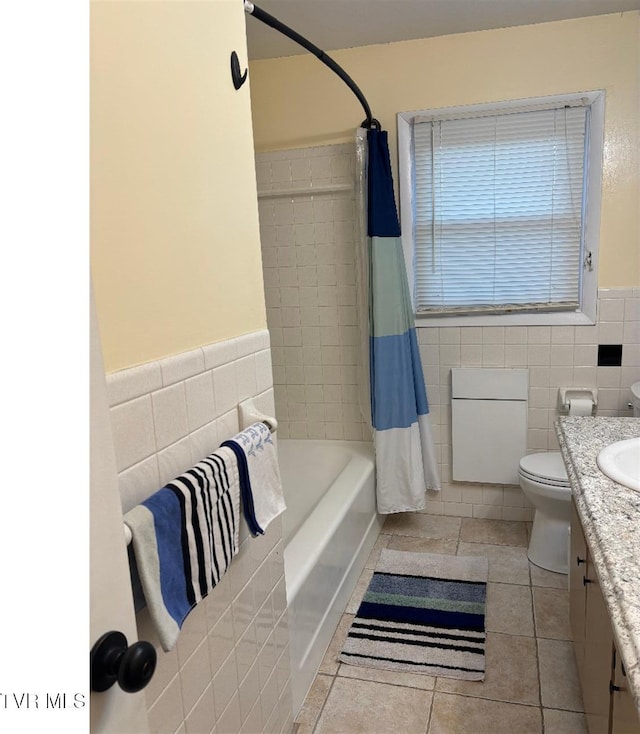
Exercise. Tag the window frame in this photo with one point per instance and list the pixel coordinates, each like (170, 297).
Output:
(586, 313)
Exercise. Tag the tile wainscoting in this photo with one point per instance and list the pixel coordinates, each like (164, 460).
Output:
(555, 356)
(230, 670)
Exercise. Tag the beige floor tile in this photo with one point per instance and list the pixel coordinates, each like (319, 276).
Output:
(549, 579)
(423, 526)
(511, 672)
(559, 684)
(509, 609)
(508, 564)
(463, 715)
(564, 722)
(495, 532)
(356, 706)
(392, 677)
(381, 542)
(358, 592)
(314, 701)
(330, 662)
(423, 545)
(522, 601)
(551, 610)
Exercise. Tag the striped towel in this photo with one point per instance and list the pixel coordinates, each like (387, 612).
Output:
(260, 485)
(184, 537)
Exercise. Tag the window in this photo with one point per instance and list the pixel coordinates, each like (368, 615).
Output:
(500, 209)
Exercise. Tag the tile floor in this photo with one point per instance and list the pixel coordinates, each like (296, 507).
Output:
(531, 684)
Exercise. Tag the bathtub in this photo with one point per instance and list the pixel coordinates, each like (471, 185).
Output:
(329, 528)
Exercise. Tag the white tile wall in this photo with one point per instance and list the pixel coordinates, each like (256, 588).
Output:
(307, 246)
(229, 671)
(308, 242)
(555, 356)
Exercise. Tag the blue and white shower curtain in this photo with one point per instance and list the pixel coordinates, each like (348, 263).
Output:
(406, 464)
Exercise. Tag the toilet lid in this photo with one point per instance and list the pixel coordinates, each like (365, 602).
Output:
(548, 466)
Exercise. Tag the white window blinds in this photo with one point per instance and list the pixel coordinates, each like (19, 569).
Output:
(498, 211)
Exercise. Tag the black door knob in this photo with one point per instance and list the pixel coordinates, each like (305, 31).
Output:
(112, 659)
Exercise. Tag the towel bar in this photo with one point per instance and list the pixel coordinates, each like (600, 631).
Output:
(269, 422)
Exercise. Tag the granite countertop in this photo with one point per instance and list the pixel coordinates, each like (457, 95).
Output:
(610, 516)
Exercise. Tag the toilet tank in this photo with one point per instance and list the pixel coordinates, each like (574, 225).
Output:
(488, 424)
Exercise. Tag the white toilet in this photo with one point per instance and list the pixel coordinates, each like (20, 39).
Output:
(544, 481)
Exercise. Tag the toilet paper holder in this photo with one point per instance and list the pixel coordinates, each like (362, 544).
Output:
(567, 394)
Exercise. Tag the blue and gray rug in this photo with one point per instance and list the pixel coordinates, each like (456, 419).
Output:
(422, 613)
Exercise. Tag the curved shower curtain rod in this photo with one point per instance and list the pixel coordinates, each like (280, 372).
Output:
(269, 20)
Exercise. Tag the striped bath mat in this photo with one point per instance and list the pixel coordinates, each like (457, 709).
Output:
(422, 613)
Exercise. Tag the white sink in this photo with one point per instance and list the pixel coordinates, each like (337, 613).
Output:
(621, 462)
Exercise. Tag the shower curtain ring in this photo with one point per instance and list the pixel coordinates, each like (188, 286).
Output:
(371, 123)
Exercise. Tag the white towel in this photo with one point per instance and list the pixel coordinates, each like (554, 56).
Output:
(260, 485)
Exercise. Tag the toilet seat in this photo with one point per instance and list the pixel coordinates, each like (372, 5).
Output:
(545, 468)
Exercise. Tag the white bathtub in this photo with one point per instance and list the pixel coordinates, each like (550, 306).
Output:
(329, 528)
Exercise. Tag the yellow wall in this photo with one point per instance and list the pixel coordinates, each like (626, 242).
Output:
(298, 102)
(175, 250)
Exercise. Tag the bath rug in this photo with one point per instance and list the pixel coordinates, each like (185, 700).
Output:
(422, 613)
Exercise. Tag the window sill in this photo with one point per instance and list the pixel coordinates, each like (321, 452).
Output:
(520, 319)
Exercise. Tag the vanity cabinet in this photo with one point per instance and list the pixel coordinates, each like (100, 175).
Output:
(624, 718)
(578, 590)
(608, 704)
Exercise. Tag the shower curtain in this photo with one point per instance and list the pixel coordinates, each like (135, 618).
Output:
(396, 403)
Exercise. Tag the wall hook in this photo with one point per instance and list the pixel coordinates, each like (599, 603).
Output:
(237, 77)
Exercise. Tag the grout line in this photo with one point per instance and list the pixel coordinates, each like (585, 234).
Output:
(387, 682)
(324, 703)
(554, 639)
(557, 708)
(493, 700)
(433, 698)
(514, 634)
(535, 637)
(539, 687)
